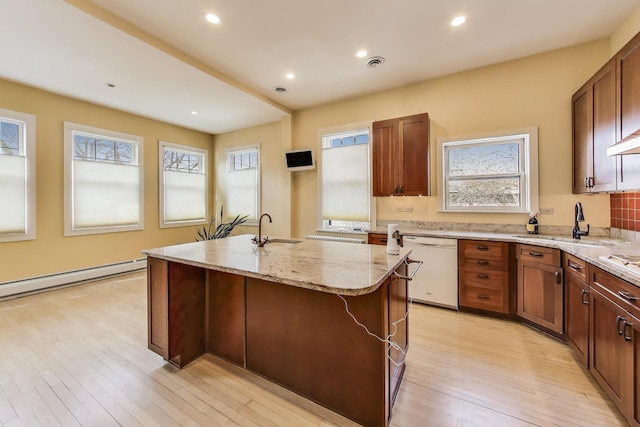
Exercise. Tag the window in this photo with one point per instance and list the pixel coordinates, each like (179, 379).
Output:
(17, 176)
(103, 181)
(497, 173)
(183, 185)
(243, 182)
(345, 187)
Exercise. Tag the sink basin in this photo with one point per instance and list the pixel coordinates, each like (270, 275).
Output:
(290, 241)
(564, 239)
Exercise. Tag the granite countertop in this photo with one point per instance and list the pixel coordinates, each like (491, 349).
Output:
(589, 248)
(333, 267)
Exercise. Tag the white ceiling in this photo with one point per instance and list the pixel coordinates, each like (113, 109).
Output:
(229, 70)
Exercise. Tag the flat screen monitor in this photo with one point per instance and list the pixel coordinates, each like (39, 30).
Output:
(299, 160)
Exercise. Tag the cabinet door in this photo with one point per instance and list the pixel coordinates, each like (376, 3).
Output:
(607, 352)
(631, 336)
(604, 128)
(385, 158)
(158, 306)
(582, 139)
(414, 140)
(577, 312)
(628, 91)
(540, 295)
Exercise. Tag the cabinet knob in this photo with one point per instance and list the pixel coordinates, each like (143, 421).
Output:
(558, 278)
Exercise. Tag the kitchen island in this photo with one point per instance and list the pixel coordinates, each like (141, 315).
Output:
(280, 311)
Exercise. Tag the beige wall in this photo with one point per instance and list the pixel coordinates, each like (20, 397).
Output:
(51, 252)
(275, 180)
(534, 91)
(625, 32)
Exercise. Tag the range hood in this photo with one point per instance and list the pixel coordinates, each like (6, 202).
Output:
(629, 145)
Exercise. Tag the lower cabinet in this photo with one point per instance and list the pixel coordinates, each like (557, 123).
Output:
(577, 306)
(614, 354)
(540, 287)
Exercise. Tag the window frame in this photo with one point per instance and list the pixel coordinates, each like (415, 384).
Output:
(231, 151)
(138, 142)
(528, 173)
(27, 148)
(162, 145)
(349, 128)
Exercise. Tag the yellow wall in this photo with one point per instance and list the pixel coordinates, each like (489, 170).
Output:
(51, 252)
(534, 91)
(625, 32)
(275, 180)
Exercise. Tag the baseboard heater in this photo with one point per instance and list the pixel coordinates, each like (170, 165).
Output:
(34, 284)
(335, 239)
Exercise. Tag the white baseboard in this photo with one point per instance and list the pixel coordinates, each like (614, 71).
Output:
(34, 284)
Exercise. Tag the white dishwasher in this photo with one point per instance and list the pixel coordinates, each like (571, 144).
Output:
(436, 282)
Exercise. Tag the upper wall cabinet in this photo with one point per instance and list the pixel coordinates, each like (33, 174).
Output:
(594, 129)
(605, 110)
(401, 156)
(628, 110)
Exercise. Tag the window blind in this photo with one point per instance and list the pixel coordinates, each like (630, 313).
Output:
(345, 183)
(184, 196)
(105, 194)
(242, 193)
(13, 194)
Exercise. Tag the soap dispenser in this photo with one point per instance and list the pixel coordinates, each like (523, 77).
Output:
(532, 227)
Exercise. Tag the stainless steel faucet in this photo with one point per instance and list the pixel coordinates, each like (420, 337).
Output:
(579, 217)
(258, 239)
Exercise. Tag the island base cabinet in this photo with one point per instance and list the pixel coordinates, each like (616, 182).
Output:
(158, 306)
(306, 341)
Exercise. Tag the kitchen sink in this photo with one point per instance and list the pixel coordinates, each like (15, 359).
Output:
(565, 239)
(290, 241)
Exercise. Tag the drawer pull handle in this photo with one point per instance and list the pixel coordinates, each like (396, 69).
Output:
(558, 278)
(483, 262)
(619, 320)
(483, 248)
(483, 296)
(536, 254)
(575, 266)
(584, 302)
(483, 276)
(626, 295)
(627, 337)
(383, 240)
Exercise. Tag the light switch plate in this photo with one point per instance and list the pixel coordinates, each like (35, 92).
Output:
(547, 211)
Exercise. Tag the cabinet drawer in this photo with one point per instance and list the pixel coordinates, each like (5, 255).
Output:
(541, 255)
(485, 298)
(484, 277)
(484, 250)
(576, 267)
(379, 239)
(620, 292)
(482, 264)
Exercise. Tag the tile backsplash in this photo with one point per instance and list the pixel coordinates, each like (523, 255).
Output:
(625, 211)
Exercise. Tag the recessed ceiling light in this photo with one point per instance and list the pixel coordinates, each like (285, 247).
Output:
(213, 18)
(290, 76)
(457, 21)
(195, 113)
(361, 53)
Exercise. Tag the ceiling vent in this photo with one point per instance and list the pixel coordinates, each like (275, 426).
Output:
(279, 89)
(375, 62)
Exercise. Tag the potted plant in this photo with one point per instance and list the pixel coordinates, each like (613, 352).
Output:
(208, 232)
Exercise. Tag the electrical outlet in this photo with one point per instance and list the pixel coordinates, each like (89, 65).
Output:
(408, 209)
(547, 211)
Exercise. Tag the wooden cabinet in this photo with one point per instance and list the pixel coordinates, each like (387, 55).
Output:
(158, 306)
(379, 239)
(577, 306)
(628, 110)
(484, 276)
(401, 156)
(614, 354)
(540, 287)
(594, 129)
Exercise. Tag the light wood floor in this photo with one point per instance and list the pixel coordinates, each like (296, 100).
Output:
(78, 356)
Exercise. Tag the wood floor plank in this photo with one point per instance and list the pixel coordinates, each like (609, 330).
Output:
(78, 356)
